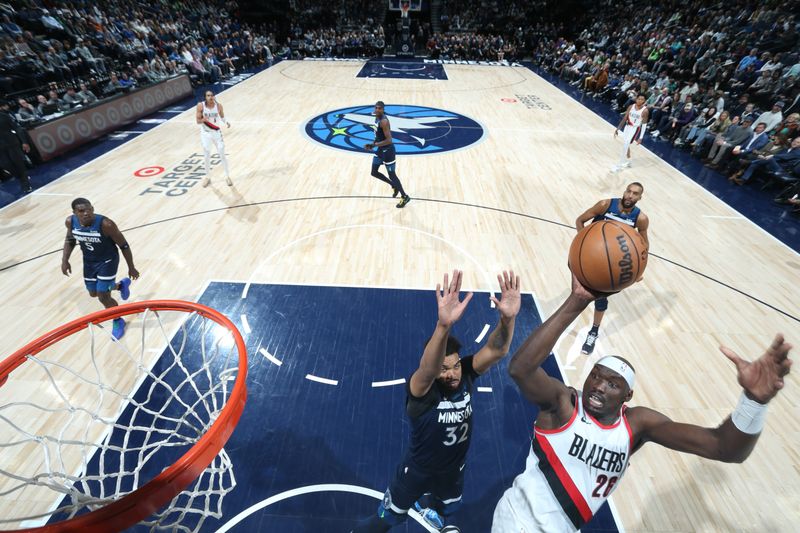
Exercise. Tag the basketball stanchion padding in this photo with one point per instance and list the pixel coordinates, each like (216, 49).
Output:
(135, 427)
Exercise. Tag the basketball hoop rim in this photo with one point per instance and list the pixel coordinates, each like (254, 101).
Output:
(160, 490)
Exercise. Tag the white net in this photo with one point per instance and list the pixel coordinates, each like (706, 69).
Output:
(91, 419)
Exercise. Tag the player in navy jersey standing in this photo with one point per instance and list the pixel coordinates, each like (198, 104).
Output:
(624, 211)
(386, 154)
(439, 406)
(98, 238)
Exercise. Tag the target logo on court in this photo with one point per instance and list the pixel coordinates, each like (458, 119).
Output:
(416, 130)
(148, 172)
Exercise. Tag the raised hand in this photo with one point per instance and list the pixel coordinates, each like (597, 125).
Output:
(450, 308)
(763, 378)
(510, 299)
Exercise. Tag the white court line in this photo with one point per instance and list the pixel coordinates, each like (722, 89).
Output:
(246, 325)
(484, 331)
(37, 193)
(484, 389)
(332, 487)
(266, 260)
(388, 383)
(318, 379)
(271, 357)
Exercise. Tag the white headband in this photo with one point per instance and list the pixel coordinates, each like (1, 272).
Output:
(620, 367)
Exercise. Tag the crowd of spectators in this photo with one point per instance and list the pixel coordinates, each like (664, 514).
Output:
(720, 80)
(70, 54)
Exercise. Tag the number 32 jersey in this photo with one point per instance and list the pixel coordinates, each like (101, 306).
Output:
(441, 423)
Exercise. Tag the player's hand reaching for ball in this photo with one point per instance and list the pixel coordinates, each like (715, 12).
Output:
(66, 268)
(447, 294)
(584, 293)
(763, 378)
(509, 303)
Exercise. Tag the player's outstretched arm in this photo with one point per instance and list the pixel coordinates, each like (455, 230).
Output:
(69, 245)
(525, 366)
(110, 228)
(732, 441)
(500, 338)
(596, 210)
(450, 311)
(199, 113)
(642, 223)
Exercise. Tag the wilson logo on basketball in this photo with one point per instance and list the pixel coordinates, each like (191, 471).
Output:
(625, 264)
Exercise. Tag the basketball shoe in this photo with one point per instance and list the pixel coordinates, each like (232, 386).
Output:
(591, 339)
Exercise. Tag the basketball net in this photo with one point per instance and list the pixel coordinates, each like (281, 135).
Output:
(108, 416)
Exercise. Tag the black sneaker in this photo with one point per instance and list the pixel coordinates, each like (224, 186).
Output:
(403, 202)
(588, 346)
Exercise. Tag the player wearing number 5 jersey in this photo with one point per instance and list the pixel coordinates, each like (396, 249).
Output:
(439, 406)
(99, 239)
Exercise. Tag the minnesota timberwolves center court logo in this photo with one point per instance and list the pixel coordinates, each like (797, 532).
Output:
(415, 129)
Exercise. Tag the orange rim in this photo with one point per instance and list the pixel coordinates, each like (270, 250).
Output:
(159, 491)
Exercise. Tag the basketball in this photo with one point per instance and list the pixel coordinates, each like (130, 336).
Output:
(607, 256)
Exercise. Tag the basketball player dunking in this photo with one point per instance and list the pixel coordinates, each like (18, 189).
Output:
(385, 154)
(211, 117)
(635, 121)
(99, 238)
(624, 211)
(583, 440)
(439, 407)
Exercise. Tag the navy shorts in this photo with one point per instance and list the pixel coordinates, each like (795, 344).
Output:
(411, 482)
(101, 276)
(385, 155)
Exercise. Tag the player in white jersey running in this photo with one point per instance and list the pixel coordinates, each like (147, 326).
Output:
(211, 117)
(635, 123)
(582, 440)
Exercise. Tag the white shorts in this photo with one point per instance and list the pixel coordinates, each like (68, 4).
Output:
(212, 138)
(507, 520)
(629, 133)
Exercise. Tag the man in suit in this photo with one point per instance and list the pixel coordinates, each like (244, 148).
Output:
(13, 146)
(786, 161)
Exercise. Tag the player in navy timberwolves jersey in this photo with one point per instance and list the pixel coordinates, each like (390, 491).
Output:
(98, 238)
(624, 211)
(386, 155)
(439, 407)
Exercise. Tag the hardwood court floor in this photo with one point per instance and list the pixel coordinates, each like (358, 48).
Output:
(301, 212)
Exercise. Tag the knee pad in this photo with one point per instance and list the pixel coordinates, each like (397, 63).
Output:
(601, 304)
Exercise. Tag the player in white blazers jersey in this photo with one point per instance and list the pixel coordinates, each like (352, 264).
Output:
(582, 440)
(635, 123)
(210, 116)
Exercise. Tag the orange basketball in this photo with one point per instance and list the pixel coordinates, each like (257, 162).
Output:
(607, 256)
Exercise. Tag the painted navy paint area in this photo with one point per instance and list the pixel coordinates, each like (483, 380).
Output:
(295, 432)
(378, 68)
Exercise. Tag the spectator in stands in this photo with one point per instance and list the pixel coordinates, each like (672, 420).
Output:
(735, 136)
(701, 123)
(785, 161)
(790, 127)
(71, 98)
(86, 95)
(718, 127)
(26, 113)
(114, 86)
(775, 145)
(54, 100)
(772, 118)
(757, 141)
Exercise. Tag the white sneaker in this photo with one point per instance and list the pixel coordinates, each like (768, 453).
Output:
(206, 181)
(655, 133)
(228, 181)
